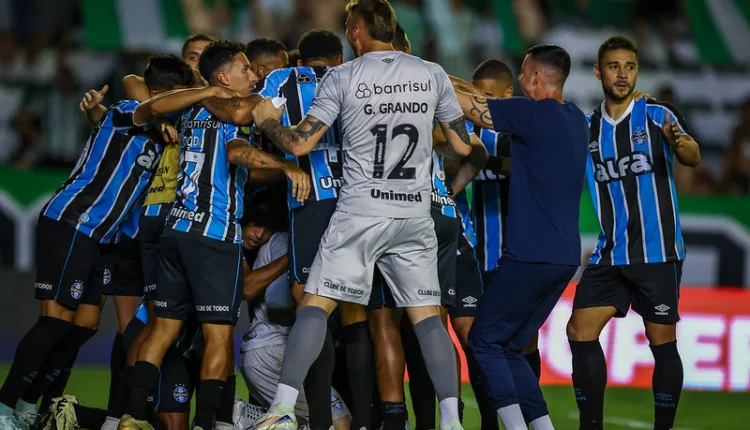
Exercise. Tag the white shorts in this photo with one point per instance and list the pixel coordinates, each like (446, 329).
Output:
(405, 250)
(261, 369)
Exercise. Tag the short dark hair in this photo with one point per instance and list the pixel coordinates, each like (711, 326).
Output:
(165, 71)
(293, 57)
(493, 70)
(319, 44)
(217, 55)
(615, 43)
(263, 48)
(266, 208)
(400, 42)
(552, 56)
(379, 18)
(197, 37)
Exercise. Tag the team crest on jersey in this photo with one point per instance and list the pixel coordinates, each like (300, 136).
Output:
(640, 136)
(180, 394)
(76, 290)
(304, 78)
(107, 277)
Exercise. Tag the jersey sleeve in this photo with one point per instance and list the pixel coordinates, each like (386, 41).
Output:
(121, 115)
(329, 98)
(658, 111)
(270, 87)
(233, 132)
(447, 108)
(514, 115)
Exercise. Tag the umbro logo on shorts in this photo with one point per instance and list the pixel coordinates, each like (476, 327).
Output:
(662, 310)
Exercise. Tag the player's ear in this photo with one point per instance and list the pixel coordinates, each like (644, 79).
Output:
(154, 93)
(509, 92)
(597, 71)
(222, 78)
(299, 63)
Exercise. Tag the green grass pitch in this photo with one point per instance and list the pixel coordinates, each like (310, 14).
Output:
(624, 408)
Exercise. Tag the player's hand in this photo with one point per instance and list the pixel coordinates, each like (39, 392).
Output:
(300, 181)
(92, 98)
(168, 131)
(223, 92)
(266, 110)
(671, 131)
(638, 94)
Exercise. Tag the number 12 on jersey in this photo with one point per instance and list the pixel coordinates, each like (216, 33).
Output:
(380, 132)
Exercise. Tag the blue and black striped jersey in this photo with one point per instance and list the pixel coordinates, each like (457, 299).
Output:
(488, 189)
(130, 226)
(298, 85)
(210, 189)
(630, 175)
(442, 199)
(111, 176)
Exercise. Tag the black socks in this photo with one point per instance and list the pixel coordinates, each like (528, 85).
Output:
(667, 384)
(589, 382)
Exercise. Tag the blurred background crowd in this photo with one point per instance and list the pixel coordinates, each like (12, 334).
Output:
(693, 54)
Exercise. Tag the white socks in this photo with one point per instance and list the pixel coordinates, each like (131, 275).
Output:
(285, 395)
(448, 410)
(111, 423)
(542, 423)
(512, 417)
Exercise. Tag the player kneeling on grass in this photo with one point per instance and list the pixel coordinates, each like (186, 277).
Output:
(272, 309)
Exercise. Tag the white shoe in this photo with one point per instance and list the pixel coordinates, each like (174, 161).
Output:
(245, 414)
(10, 422)
(278, 417)
(25, 419)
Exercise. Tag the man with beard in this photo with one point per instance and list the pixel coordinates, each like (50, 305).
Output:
(638, 258)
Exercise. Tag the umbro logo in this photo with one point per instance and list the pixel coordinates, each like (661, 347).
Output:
(387, 60)
(469, 302)
(593, 146)
(662, 309)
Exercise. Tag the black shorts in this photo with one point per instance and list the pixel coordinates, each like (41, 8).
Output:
(469, 285)
(309, 222)
(150, 229)
(198, 275)
(69, 270)
(652, 289)
(107, 265)
(381, 295)
(448, 230)
(127, 276)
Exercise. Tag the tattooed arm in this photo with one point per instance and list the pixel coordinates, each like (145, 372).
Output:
(241, 153)
(475, 109)
(235, 110)
(470, 165)
(299, 140)
(457, 141)
(175, 100)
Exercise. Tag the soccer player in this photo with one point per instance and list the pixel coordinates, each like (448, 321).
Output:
(543, 245)
(272, 311)
(200, 252)
(385, 322)
(85, 213)
(638, 258)
(320, 49)
(265, 56)
(387, 101)
(193, 48)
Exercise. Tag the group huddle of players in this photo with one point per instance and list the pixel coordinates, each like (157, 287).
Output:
(196, 194)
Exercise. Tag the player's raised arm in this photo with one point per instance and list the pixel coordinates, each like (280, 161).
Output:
(175, 100)
(683, 145)
(91, 105)
(235, 110)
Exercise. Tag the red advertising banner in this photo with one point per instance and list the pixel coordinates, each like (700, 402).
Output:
(713, 337)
